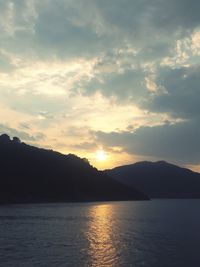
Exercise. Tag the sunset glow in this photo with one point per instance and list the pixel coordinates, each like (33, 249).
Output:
(101, 155)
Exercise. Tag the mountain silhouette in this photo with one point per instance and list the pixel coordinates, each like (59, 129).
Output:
(31, 174)
(159, 179)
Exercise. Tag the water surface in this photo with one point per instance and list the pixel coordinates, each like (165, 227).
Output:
(157, 233)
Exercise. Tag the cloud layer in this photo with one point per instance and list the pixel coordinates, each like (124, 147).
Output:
(93, 73)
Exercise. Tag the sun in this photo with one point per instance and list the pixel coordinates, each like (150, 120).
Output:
(100, 155)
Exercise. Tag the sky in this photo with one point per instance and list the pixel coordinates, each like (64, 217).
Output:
(114, 81)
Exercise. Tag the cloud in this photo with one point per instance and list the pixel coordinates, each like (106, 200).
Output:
(177, 94)
(128, 85)
(176, 14)
(24, 125)
(24, 136)
(86, 146)
(176, 142)
(73, 28)
(57, 33)
(53, 78)
(123, 37)
(181, 93)
(5, 64)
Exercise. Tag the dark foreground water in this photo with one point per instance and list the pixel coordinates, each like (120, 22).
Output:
(157, 233)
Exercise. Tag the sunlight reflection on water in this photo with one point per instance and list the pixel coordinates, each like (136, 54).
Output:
(102, 249)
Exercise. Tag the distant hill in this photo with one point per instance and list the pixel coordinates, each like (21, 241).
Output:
(159, 179)
(31, 174)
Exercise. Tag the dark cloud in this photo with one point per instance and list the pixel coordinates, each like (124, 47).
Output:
(176, 14)
(74, 28)
(182, 90)
(156, 13)
(55, 31)
(128, 85)
(178, 142)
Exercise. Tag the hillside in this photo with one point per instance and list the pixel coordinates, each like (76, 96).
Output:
(31, 174)
(159, 179)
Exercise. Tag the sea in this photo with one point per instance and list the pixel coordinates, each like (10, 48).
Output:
(156, 233)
